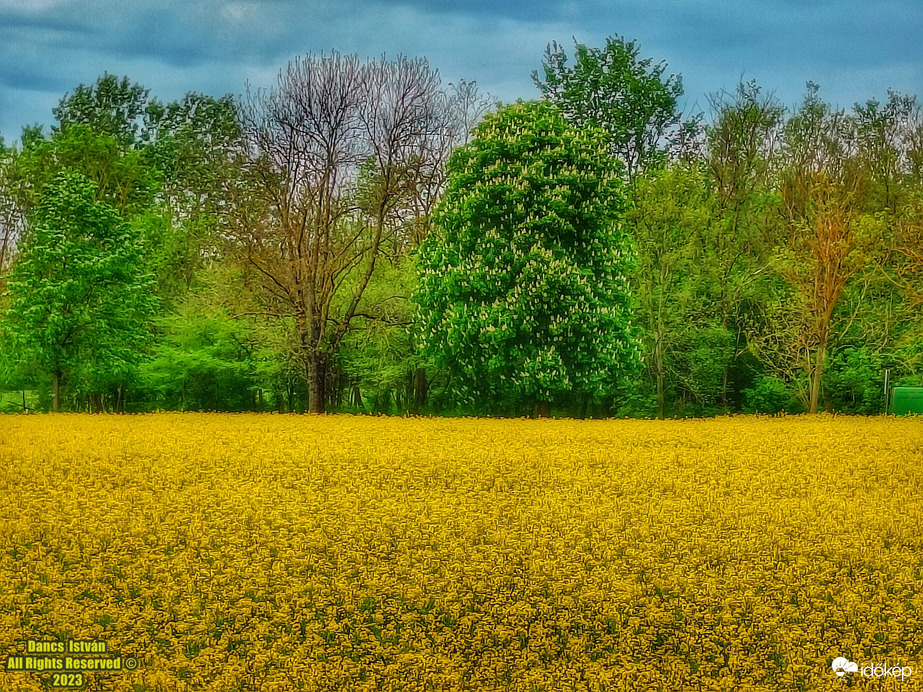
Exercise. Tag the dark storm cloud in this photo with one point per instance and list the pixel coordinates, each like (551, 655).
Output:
(26, 79)
(529, 11)
(855, 50)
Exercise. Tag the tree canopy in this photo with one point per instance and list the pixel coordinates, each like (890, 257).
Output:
(224, 253)
(614, 89)
(523, 289)
(80, 297)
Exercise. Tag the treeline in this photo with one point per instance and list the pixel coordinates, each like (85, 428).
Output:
(361, 238)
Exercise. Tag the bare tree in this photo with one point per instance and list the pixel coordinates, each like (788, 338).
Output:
(891, 143)
(824, 240)
(338, 147)
(463, 107)
(11, 221)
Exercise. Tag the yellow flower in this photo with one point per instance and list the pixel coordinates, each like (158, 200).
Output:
(285, 553)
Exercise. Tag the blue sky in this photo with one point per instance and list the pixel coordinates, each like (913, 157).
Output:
(854, 49)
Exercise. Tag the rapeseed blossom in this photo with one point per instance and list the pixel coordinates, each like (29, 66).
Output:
(257, 552)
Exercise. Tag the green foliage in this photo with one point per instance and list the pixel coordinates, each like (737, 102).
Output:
(882, 134)
(12, 401)
(196, 145)
(855, 381)
(174, 164)
(213, 352)
(379, 355)
(112, 107)
(773, 266)
(200, 362)
(700, 363)
(614, 90)
(10, 218)
(523, 291)
(80, 296)
(740, 143)
(769, 395)
(669, 213)
(908, 352)
(121, 176)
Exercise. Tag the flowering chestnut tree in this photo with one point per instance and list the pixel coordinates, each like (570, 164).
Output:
(523, 295)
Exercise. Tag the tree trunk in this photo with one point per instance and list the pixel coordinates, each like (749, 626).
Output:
(96, 402)
(542, 409)
(658, 371)
(817, 377)
(56, 391)
(317, 381)
(419, 389)
(725, 366)
(409, 406)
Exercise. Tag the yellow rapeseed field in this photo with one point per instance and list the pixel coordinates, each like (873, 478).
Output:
(282, 553)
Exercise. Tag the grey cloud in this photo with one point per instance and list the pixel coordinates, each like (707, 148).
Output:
(25, 79)
(854, 49)
(516, 9)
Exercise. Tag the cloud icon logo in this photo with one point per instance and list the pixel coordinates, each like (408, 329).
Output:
(841, 666)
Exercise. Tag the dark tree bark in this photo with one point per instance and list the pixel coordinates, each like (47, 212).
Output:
(317, 381)
(357, 397)
(419, 389)
(56, 391)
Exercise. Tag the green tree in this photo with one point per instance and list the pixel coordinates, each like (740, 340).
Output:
(170, 170)
(175, 163)
(196, 145)
(121, 177)
(740, 151)
(378, 356)
(113, 106)
(614, 89)
(80, 295)
(202, 361)
(886, 140)
(523, 291)
(669, 216)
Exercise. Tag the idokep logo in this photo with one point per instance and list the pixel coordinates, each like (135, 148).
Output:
(843, 666)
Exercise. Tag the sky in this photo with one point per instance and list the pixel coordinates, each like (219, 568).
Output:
(854, 49)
